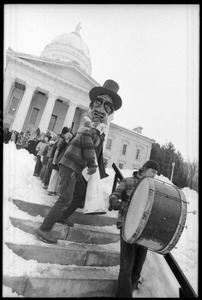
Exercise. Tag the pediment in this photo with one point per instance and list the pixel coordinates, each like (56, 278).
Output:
(69, 72)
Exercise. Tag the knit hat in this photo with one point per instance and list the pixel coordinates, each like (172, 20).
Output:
(152, 164)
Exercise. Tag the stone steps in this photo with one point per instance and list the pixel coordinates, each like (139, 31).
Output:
(67, 253)
(78, 233)
(77, 217)
(83, 263)
(74, 281)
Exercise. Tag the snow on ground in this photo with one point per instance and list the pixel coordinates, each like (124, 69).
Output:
(19, 183)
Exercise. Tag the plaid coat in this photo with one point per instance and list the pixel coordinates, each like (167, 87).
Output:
(80, 152)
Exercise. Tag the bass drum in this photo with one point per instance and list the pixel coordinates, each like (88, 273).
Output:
(156, 215)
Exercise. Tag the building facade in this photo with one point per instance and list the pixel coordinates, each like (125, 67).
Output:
(128, 149)
(50, 91)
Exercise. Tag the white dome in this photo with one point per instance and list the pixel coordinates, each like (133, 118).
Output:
(69, 47)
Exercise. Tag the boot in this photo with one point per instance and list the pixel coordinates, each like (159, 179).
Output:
(46, 236)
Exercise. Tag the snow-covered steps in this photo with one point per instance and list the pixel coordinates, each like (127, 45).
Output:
(78, 233)
(35, 209)
(83, 263)
(67, 253)
(65, 282)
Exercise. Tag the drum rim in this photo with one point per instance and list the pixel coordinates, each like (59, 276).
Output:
(146, 213)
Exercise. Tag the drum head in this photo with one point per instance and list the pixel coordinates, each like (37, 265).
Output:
(136, 209)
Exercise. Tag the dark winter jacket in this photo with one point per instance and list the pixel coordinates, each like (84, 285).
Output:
(124, 192)
(31, 147)
(61, 147)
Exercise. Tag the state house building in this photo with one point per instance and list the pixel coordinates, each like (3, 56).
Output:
(50, 91)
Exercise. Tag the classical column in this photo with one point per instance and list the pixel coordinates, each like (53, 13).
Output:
(70, 115)
(47, 113)
(23, 108)
(8, 83)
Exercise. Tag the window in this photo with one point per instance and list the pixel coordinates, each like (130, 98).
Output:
(13, 106)
(109, 144)
(124, 149)
(41, 93)
(138, 154)
(34, 115)
(19, 86)
(52, 123)
(120, 166)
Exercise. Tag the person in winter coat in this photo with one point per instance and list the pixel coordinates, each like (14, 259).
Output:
(14, 136)
(19, 140)
(84, 150)
(40, 148)
(25, 140)
(44, 158)
(31, 146)
(132, 256)
(51, 150)
(6, 135)
(36, 134)
(61, 146)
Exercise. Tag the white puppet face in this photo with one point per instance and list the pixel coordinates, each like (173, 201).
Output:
(100, 110)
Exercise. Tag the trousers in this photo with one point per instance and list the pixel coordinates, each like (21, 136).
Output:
(42, 173)
(132, 258)
(38, 165)
(72, 194)
(48, 172)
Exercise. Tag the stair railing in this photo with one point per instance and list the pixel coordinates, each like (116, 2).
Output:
(185, 290)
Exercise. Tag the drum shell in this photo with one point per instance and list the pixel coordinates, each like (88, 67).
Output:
(162, 218)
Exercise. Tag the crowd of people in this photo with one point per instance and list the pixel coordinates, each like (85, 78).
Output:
(47, 150)
(23, 140)
(20, 139)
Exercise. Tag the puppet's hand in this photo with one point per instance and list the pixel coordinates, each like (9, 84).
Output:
(115, 204)
(91, 170)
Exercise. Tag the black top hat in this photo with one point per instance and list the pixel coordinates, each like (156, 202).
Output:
(110, 87)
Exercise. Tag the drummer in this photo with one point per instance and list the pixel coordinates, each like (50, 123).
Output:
(132, 256)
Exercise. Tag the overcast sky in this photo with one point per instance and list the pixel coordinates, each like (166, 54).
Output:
(151, 51)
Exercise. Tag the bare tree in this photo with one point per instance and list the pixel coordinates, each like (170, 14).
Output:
(193, 174)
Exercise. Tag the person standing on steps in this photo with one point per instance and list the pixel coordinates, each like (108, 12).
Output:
(40, 148)
(60, 147)
(84, 150)
(50, 154)
(132, 256)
